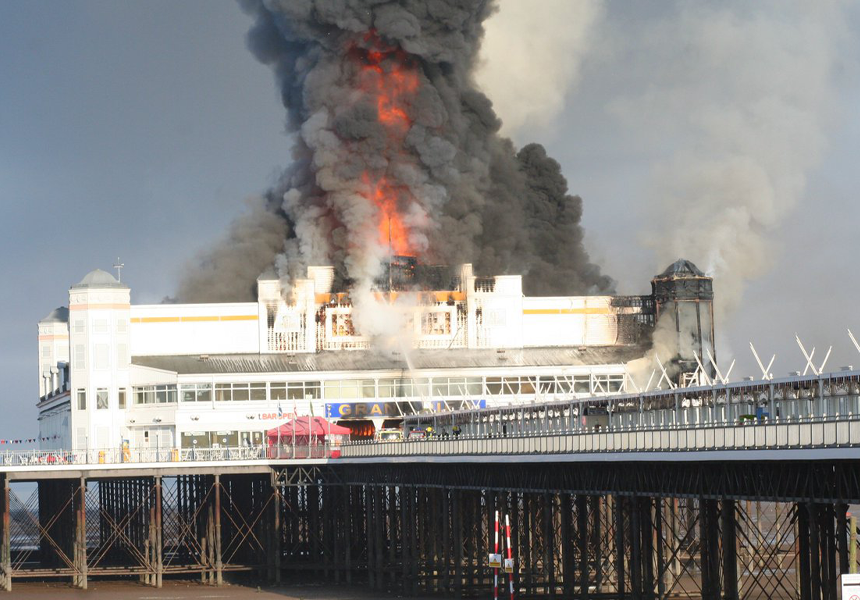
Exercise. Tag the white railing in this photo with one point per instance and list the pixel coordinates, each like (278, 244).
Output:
(115, 456)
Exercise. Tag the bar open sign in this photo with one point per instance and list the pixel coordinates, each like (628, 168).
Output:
(509, 565)
(495, 561)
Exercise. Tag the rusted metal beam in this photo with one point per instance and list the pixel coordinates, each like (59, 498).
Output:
(159, 556)
(219, 566)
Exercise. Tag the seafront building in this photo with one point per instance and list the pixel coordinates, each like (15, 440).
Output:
(221, 374)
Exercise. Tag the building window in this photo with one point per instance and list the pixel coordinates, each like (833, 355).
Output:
(122, 394)
(223, 392)
(240, 392)
(78, 326)
(121, 356)
(295, 390)
(341, 325)
(100, 326)
(121, 325)
(199, 392)
(80, 356)
(436, 323)
(101, 356)
(350, 388)
(82, 400)
(46, 351)
(155, 394)
(101, 399)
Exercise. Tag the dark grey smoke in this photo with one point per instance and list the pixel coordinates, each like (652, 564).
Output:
(463, 190)
(228, 272)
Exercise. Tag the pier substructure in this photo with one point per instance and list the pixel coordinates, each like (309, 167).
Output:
(584, 531)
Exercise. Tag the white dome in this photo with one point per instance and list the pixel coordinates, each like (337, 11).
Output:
(99, 279)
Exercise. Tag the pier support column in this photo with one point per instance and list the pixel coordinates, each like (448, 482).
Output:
(814, 551)
(730, 556)
(219, 575)
(276, 526)
(636, 550)
(582, 543)
(618, 503)
(710, 548)
(646, 527)
(370, 537)
(803, 547)
(842, 536)
(567, 566)
(159, 535)
(828, 551)
(379, 538)
(457, 520)
(81, 534)
(6, 549)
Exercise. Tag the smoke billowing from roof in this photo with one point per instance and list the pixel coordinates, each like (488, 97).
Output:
(396, 150)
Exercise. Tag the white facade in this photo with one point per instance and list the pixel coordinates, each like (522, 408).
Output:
(177, 374)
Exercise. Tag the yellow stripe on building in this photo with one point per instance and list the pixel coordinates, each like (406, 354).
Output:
(193, 319)
(156, 320)
(567, 311)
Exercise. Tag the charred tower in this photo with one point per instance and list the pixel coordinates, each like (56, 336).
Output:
(685, 294)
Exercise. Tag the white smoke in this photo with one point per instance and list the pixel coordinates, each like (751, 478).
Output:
(645, 372)
(387, 323)
(741, 93)
(531, 58)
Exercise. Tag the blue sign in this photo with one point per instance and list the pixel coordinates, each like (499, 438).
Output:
(359, 410)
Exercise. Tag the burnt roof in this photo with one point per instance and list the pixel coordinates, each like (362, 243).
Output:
(681, 268)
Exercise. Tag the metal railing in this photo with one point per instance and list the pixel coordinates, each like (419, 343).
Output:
(117, 456)
(813, 433)
(815, 412)
(794, 399)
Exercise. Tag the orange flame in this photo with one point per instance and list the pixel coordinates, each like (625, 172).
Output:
(388, 75)
(392, 230)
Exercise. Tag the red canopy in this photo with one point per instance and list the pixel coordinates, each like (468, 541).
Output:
(305, 427)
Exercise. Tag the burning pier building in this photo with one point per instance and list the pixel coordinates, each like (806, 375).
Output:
(221, 374)
(397, 164)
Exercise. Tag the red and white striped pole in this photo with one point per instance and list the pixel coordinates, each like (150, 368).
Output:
(496, 569)
(510, 553)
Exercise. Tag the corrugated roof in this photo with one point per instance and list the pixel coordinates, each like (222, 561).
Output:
(369, 360)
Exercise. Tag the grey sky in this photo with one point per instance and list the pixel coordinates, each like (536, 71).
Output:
(136, 129)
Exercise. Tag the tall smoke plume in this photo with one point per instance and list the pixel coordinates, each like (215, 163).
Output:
(529, 87)
(741, 94)
(396, 151)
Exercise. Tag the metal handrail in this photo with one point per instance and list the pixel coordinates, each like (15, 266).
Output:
(117, 456)
(812, 433)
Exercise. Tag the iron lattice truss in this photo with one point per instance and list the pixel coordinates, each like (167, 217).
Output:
(796, 481)
(661, 531)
